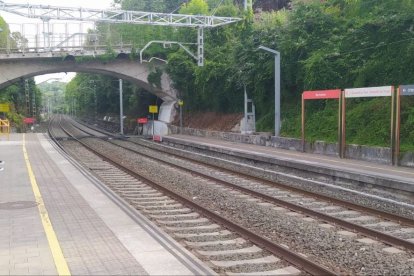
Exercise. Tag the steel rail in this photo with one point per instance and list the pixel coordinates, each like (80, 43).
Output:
(386, 238)
(385, 215)
(286, 254)
(196, 266)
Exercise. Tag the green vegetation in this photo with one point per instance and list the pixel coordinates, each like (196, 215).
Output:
(323, 45)
(95, 95)
(15, 94)
(53, 96)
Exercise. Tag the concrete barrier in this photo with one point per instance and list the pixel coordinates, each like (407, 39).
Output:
(379, 155)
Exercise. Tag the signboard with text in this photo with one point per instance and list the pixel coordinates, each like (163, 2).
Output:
(404, 90)
(407, 90)
(368, 92)
(322, 94)
(153, 109)
(382, 91)
(4, 107)
(29, 120)
(143, 120)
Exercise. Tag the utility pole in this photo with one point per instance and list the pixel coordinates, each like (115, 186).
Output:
(27, 96)
(248, 5)
(121, 108)
(181, 103)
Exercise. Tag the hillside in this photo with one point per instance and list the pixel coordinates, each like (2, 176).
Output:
(323, 45)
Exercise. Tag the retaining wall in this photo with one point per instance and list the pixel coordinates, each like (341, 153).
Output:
(372, 154)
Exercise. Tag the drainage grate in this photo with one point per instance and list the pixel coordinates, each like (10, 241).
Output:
(17, 205)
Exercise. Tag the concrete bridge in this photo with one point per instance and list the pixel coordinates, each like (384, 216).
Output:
(12, 70)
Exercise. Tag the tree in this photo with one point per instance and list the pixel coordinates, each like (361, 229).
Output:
(195, 7)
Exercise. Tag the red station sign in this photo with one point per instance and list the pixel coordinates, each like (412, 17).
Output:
(322, 94)
(142, 120)
(29, 120)
(319, 95)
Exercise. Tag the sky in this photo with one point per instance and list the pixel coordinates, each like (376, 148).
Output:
(12, 18)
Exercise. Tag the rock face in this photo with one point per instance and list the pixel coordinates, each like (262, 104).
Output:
(210, 121)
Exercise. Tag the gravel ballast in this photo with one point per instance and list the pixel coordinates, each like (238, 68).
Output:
(324, 245)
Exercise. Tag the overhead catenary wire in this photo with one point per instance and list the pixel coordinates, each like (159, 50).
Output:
(216, 8)
(179, 6)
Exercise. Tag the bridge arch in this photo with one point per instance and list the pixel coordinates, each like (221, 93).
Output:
(12, 70)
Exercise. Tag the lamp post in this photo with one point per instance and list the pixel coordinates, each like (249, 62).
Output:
(277, 87)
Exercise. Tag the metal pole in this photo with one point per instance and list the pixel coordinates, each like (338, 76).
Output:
(247, 4)
(200, 47)
(392, 126)
(245, 110)
(121, 108)
(153, 125)
(343, 126)
(398, 128)
(277, 94)
(340, 125)
(96, 102)
(48, 35)
(303, 123)
(181, 119)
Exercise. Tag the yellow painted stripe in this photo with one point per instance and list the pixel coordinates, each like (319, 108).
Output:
(59, 259)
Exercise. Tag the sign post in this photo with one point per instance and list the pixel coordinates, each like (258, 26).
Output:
(321, 95)
(403, 90)
(153, 109)
(382, 91)
(140, 127)
(180, 104)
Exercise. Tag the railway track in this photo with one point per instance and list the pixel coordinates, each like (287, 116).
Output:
(379, 226)
(229, 248)
(337, 212)
(356, 218)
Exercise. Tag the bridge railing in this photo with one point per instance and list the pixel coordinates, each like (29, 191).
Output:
(35, 40)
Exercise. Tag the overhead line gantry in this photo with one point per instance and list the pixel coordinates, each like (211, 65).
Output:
(113, 16)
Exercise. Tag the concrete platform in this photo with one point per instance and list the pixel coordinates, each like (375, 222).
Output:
(391, 177)
(57, 219)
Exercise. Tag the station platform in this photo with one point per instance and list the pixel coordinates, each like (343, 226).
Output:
(390, 177)
(56, 220)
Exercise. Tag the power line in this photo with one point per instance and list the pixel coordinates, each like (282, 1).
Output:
(216, 8)
(179, 6)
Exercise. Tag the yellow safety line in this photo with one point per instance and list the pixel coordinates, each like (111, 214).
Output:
(59, 259)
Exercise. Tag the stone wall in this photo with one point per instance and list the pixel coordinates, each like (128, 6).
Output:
(372, 154)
